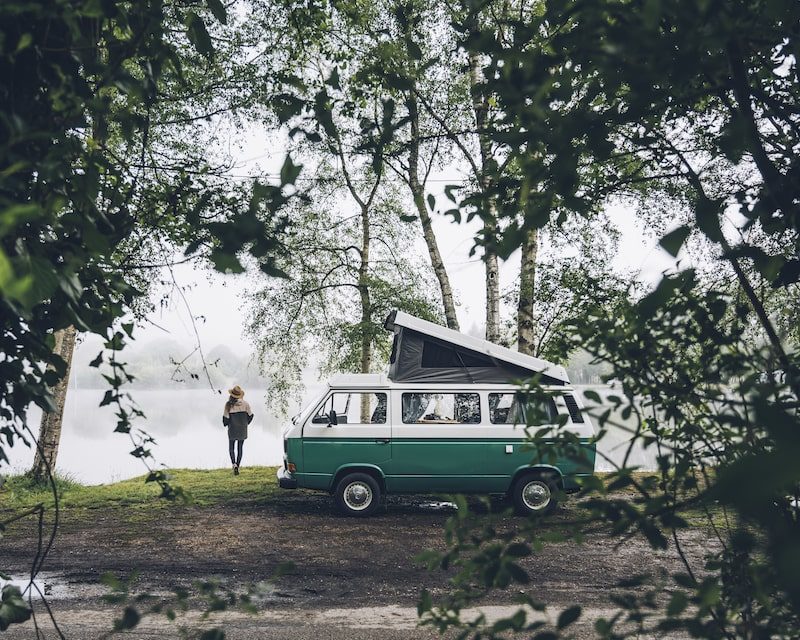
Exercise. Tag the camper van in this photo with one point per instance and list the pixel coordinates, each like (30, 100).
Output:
(450, 416)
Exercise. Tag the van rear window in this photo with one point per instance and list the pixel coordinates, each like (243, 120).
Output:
(511, 408)
(441, 408)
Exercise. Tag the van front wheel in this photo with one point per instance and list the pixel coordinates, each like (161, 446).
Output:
(534, 494)
(357, 494)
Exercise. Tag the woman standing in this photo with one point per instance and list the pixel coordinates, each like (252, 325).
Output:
(236, 416)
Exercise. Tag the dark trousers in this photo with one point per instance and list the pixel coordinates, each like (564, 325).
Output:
(236, 457)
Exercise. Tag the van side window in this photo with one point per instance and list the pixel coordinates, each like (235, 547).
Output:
(511, 408)
(353, 408)
(441, 408)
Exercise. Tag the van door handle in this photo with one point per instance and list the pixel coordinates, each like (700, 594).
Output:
(382, 440)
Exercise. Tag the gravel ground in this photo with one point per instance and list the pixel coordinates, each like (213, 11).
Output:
(352, 579)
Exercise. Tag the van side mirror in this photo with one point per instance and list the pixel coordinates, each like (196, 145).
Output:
(332, 419)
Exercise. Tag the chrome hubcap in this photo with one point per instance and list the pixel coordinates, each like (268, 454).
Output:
(357, 496)
(536, 495)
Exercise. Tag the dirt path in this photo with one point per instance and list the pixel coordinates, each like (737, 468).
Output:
(342, 564)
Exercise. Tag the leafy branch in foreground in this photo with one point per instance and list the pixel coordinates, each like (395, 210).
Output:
(215, 598)
(82, 195)
(690, 107)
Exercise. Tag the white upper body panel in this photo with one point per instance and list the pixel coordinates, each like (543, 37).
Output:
(380, 383)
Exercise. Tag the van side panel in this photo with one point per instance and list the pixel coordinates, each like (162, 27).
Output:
(461, 465)
(502, 463)
(440, 464)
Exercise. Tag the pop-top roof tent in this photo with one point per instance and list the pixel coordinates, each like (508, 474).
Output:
(427, 352)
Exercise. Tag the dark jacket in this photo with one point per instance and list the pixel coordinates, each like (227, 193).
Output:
(236, 418)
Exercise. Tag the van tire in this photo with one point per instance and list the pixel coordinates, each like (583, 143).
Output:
(534, 494)
(357, 495)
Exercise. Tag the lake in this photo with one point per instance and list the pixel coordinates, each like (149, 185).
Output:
(187, 427)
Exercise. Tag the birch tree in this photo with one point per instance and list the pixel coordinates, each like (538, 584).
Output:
(342, 282)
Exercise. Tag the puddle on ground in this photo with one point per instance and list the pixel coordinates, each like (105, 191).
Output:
(438, 506)
(47, 585)
(53, 587)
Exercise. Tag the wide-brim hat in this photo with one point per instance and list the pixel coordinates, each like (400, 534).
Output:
(236, 392)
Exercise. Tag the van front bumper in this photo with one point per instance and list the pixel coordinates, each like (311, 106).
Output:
(286, 480)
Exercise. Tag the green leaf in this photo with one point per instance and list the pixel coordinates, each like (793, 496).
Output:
(92, 9)
(71, 285)
(425, 602)
(706, 212)
(218, 9)
(198, 34)
(589, 394)
(25, 41)
(333, 80)
(213, 634)
(16, 215)
(13, 609)
(673, 241)
(226, 262)
(290, 171)
(130, 618)
(414, 50)
(12, 286)
(44, 280)
(677, 603)
(568, 616)
(518, 550)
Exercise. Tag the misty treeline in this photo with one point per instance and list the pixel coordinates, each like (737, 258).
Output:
(117, 120)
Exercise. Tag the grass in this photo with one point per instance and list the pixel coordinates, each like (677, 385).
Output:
(207, 488)
(204, 487)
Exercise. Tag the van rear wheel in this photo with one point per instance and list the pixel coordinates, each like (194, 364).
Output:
(534, 493)
(357, 494)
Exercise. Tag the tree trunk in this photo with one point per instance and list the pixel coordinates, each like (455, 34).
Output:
(418, 193)
(363, 289)
(526, 329)
(492, 293)
(50, 428)
(481, 110)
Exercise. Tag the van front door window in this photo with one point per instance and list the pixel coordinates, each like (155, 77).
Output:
(354, 408)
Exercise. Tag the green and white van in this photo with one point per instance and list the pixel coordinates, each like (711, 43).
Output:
(447, 418)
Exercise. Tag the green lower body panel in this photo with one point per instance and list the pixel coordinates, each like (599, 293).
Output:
(420, 465)
(320, 481)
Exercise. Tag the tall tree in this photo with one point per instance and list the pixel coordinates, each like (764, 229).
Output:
(154, 157)
(44, 461)
(317, 316)
(379, 50)
(526, 328)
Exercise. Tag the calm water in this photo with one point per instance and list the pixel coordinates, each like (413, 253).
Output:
(187, 427)
(186, 424)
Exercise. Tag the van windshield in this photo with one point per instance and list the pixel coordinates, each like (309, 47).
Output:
(306, 412)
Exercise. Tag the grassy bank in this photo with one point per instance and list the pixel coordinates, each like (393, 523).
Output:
(204, 487)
